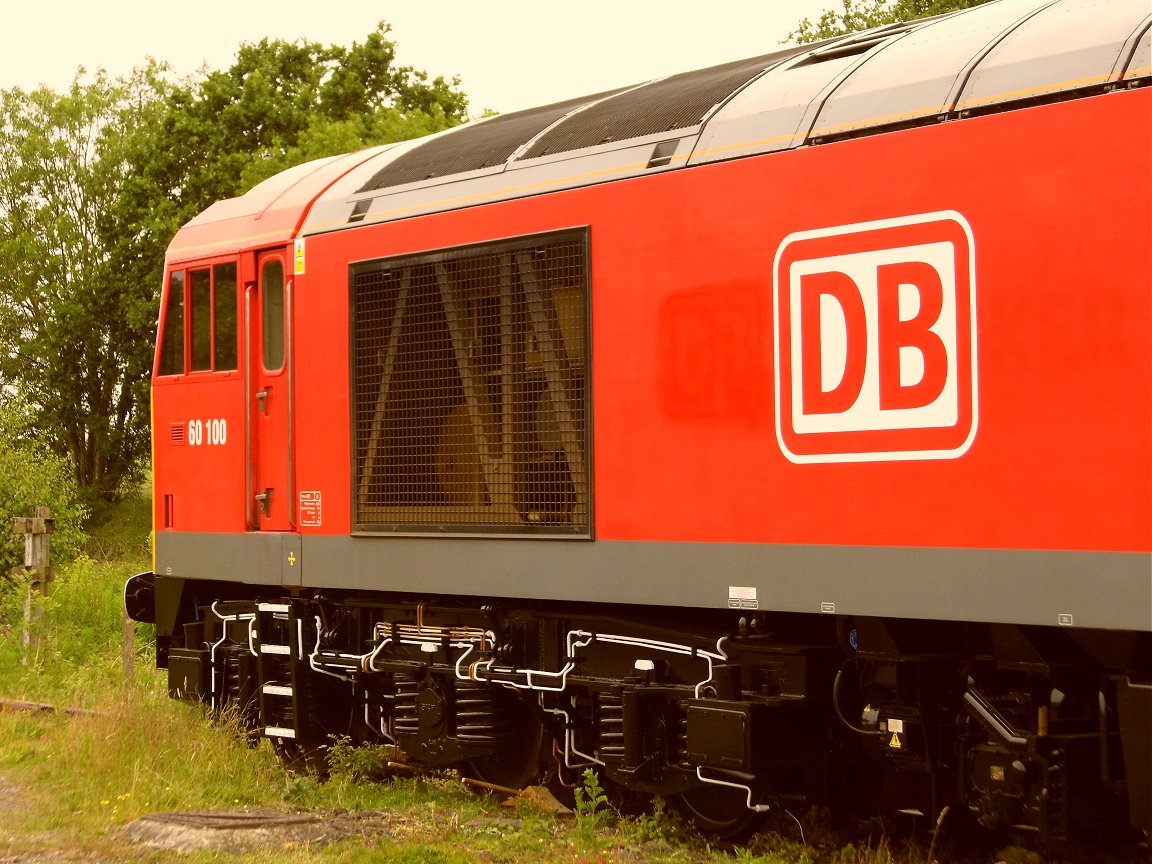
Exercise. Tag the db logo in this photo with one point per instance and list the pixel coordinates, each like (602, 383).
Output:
(876, 341)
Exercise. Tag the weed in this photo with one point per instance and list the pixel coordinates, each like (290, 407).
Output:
(590, 798)
(659, 825)
(359, 763)
(591, 810)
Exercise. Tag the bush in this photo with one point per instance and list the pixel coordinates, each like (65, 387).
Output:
(31, 477)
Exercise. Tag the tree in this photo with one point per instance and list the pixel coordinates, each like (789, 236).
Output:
(280, 104)
(95, 182)
(70, 325)
(857, 15)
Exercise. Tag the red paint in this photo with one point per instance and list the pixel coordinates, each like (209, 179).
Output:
(685, 420)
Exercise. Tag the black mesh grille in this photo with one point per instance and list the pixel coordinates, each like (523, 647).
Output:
(469, 389)
(678, 102)
(472, 148)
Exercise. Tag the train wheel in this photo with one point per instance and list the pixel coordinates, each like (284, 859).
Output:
(519, 763)
(720, 812)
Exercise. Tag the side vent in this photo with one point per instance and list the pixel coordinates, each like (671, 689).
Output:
(470, 390)
(359, 209)
(662, 154)
(854, 45)
(176, 433)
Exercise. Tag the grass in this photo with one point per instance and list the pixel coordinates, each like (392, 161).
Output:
(73, 781)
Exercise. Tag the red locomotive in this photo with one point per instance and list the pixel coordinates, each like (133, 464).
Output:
(777, 430)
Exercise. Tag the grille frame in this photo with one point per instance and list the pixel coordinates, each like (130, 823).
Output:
(370, 443)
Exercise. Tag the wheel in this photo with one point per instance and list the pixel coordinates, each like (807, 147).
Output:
(521, 756)
(720, 812)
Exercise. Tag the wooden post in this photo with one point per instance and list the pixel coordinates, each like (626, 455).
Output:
(128, 650)
(37, 569)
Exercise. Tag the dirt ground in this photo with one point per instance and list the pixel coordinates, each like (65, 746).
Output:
(235, 830)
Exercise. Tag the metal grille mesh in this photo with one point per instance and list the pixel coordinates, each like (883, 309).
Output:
(470, 389)
(678, 102)
(481, 145)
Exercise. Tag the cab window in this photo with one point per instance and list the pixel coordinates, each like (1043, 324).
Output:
(172, 339)
(272, 323)
(201, 310)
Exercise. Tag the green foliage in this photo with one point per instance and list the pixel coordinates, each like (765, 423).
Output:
(659, 825)
(591, 810)
(77, 658)
(71, 326)
(280, 104)
(591, 800)
(358, 763)
(854, 15)
(32, 476)
(123, 530)
(94, 183)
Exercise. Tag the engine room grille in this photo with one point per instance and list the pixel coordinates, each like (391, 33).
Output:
(470, 389)
(678, 102)
(480, 145)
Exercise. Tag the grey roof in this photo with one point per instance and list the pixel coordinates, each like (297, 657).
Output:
(994, 57)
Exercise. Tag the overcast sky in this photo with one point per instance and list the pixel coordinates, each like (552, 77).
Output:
(509, 54)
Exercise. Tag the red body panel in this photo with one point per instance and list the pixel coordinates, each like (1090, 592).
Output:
(199, 481)
(683, 354)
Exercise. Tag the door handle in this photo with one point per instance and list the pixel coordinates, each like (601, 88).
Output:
(264, 498)
(260, 399)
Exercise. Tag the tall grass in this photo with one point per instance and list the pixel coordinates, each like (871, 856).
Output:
(75, 657)
(79, 778)
(131, 751)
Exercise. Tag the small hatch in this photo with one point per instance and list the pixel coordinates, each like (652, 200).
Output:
(359, 209)
(662, 153)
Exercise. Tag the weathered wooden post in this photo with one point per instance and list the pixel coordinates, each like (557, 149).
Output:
(128, 648)
(37, 569)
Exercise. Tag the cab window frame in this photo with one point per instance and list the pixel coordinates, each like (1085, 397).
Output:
(208, 329)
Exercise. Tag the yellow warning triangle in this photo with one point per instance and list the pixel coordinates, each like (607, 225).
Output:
(895, 742)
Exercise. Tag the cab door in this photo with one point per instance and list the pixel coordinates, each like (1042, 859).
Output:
(268, 314)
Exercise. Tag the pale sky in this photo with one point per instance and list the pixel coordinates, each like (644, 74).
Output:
(509, 54)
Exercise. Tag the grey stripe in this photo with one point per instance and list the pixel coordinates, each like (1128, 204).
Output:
(1111, 590)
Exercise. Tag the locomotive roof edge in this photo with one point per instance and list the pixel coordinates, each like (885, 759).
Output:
(995, 57)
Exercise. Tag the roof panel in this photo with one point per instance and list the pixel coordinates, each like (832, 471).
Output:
(766, 115)
(268, 213)
(913, 77)
(486, 144)
(864, 82)
(677, 102)
(1140, 66)
(1071, 45)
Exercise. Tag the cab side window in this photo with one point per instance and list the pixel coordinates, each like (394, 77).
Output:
(272, 324)
(200, 294)
(205, 300)
(224, 332)
(172, 339)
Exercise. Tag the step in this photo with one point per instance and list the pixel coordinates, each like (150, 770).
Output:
(276, 690)
(279, 732)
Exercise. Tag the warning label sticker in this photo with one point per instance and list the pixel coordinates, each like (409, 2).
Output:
(298, 266)
(741, 597)
(310, 510)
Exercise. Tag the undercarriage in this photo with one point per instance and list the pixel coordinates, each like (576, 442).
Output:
(727, 714)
